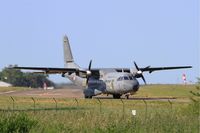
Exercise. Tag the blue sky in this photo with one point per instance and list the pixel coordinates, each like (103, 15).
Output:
(113, 33)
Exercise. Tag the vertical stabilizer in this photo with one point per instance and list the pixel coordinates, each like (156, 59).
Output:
(68, 57)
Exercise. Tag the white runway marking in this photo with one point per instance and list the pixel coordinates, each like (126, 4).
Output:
(46, 94)
(7, 92)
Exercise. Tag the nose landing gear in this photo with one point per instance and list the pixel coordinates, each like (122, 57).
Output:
(127, 96)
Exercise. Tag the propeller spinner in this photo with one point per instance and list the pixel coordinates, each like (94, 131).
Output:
(139, 73)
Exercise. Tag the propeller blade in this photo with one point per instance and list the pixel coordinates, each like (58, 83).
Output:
(89, 68)
(87, 80)
(89, 72)
(139, 72)
(136, 66)
(147, 67)
(144, 80)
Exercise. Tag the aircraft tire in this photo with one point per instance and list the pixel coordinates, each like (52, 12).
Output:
(116, 96)
(127, 96)
(88, 97)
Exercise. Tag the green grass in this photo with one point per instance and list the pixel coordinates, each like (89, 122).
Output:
(6, 89)
(109, 116)
(178, 91)
(16, 122)
(88, 117)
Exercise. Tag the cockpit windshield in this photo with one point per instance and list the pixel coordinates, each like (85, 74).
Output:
(125, 78)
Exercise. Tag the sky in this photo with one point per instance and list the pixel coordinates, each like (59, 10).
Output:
(113, 33)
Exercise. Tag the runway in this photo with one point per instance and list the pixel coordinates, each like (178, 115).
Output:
(71, 92)
(56, 93)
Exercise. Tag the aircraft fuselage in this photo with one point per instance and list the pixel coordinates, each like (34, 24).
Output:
(115, 83)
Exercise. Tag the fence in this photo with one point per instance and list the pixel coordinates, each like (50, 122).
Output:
(39, 104)
(143, 113)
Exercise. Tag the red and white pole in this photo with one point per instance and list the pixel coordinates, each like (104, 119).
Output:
(184, 78)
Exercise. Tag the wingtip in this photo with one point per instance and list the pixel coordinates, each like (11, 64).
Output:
(11, 67)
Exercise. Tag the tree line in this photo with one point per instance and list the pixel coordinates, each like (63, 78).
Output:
(24, 79)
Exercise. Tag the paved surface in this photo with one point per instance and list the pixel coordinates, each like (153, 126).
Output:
(70, 92)
(56, 93)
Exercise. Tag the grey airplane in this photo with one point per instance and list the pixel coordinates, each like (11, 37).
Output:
(96, 81)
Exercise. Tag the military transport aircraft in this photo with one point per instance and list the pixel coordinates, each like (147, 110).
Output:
(114, 81)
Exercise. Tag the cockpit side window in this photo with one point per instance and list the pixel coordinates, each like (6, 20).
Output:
(120, 79)
(126, 78)
(130, 77)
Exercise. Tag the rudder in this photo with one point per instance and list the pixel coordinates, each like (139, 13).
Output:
(68, 57)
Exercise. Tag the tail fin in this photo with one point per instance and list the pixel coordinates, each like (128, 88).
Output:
(68, 57)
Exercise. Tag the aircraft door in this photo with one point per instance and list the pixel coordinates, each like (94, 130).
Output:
(119, 83)
(112, 84)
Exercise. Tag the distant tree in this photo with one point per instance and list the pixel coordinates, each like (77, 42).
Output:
(0, 76)
(195, 105)
(198, 89)
(12, 76)
(198, 81)
(19, 78)
(36, 80)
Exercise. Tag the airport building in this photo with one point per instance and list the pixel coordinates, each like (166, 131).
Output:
(4, 84)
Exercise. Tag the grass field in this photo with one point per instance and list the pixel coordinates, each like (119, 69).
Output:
(6, 89)
(106, 115)
(179, 91)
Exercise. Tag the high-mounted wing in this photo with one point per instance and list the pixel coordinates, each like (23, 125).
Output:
(95, 72)
(150, 70)
(48, 70)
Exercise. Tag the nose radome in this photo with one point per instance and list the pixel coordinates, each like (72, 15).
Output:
(136, 86)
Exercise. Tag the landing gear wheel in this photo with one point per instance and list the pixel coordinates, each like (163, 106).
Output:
(127, 96)
(88, 97)
(116, 96)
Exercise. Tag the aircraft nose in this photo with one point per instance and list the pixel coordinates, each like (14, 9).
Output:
(135, 86)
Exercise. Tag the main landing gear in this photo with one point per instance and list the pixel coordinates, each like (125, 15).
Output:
(88, 97)
(116, 96)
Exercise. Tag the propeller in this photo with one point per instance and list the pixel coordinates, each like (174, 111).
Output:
(88, 72)
(139, 73)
